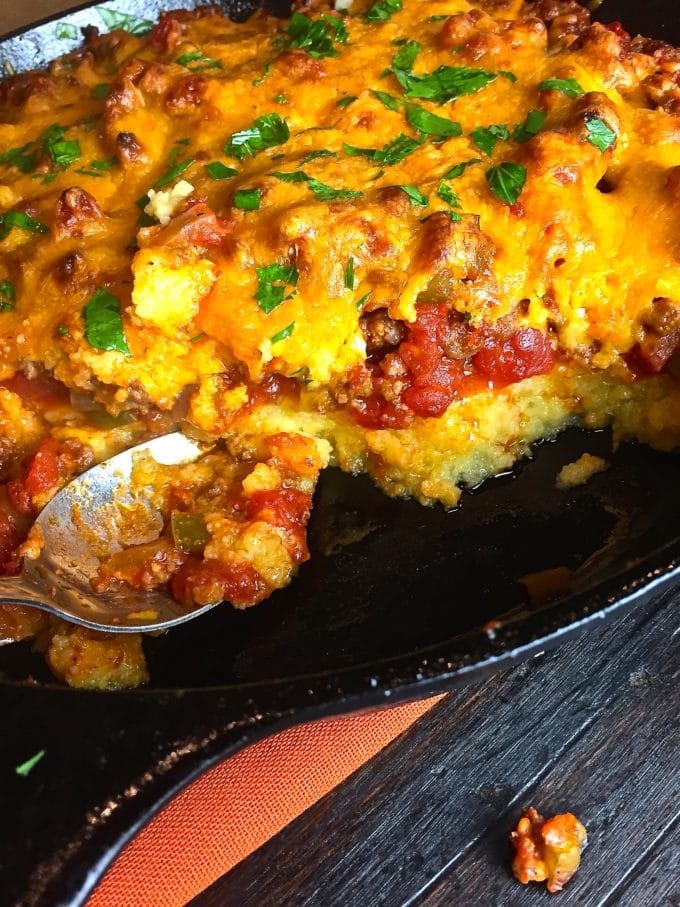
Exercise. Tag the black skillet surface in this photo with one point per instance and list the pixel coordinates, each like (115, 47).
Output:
(391, 607)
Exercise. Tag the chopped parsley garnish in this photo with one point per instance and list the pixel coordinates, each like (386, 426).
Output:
(296, 176)
(197, 337)
(198, 62)
(570, 87)
(99, 91)
(272, 282)
(266, 132)
(387, 100)
(349, 273)
(169, 176)
(21, 220)
(281, 99)
(62, 151)
(27, 767)
(265, 73)
(284, 333)
(415, 195)
(459, 169)
(444, 84)
(486, 137)
(104, 322)
(7, 295)
(62, 330)
(510, 76)
(24, 157)
(313, 155)
(346, 101)
(66, 30)
(316, 37)
(216, 170)
(506, 181)
(327, 194)
(98, 168)
(531, 126)
(446, 194)
(247, 199)
(600, 134)
(392, 153)
(364, 299)
(132, 24)
(439, 18)
(382, 10)
(406, 57)
(430, 123)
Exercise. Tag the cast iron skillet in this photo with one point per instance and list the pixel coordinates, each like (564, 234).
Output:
(398, 602)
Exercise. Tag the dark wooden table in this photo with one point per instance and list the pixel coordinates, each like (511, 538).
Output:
(592, 728)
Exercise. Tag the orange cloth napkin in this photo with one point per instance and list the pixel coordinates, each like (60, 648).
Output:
(235, 807)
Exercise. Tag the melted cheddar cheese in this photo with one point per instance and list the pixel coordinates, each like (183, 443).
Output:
(428, 233)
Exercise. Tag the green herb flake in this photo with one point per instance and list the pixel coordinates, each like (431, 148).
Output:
(406, 57)
(99, 91)
(316, 37)
(24, 158)
(430, 123)
(600, 134)
(198, 62)
(506, 181)
(281, 99)
(346, 101)
(133, 24)
(247, 199)
(216, 170)
(531, 126)
(294, 176)
(284, 333)
(314, 155)
(169, 176)
(382, 11)
(510, 76)
(486, 137)
(338, 26)
(446, 194)
(387, 100)
(459, 169)
(63, 330)
(349, 273)
(104, 322)
(394, 152)
(266, 132)
(25, 769)
(7, 295)
(197, 337)
(328, 194)
(21, 220)
(569, 87)
(360, 303)
(444, 84)
(415, 195)
(439, 18)
(66, 30)
(272, 282)
(265, 73)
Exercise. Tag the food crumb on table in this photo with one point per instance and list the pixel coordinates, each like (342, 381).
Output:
(547, 850)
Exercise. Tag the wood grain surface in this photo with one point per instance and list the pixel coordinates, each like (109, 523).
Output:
(591, 728)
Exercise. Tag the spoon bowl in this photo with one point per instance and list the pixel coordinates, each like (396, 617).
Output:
(82, 526)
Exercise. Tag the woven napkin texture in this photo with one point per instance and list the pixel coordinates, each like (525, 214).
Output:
(231, 810)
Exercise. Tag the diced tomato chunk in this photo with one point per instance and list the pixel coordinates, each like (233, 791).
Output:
(210, 581)
(528, 352)
(375, 412)
(9, 539)
(19, 498)
(43, 469)
(429, 400)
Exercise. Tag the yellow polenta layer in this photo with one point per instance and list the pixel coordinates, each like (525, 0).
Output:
(487, 433)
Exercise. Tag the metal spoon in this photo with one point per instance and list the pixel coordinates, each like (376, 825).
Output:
(81, 526)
